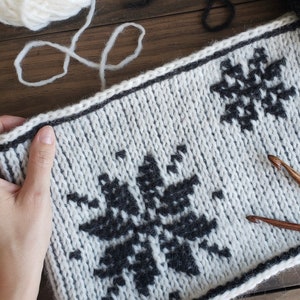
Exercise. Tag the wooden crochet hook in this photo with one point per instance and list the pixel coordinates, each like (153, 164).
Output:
(278, 163)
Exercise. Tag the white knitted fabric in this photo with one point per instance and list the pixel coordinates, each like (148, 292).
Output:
(154, 178)
(36, 14)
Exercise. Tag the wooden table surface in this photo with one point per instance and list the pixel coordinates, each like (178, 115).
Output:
(173, 30)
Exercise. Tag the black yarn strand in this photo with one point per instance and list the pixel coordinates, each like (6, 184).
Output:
(137, 4)
(205, 15)
(295, 6)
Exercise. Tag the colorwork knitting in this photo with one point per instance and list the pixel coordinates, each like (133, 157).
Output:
(154, 178)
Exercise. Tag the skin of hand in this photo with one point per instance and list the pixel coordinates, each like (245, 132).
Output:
(26, 218)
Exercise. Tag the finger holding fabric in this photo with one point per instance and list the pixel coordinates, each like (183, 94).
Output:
(26, 218)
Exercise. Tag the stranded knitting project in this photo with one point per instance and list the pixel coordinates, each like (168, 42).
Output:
(153, 178)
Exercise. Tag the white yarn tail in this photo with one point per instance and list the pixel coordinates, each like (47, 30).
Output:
(70, 52)
(103, 66)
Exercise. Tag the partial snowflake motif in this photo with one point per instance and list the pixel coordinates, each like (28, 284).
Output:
(167, 215)
(261, 87)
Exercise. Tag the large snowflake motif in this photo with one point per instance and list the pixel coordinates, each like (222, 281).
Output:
(262, 86)
(167, 215)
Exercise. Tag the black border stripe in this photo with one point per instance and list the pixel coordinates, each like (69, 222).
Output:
(275, 291)
(30, 134)
(237, 282)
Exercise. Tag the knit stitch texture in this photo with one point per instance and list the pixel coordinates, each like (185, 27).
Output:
(154, 178)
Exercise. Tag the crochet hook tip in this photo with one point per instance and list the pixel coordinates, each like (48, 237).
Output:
(276, 162)
(252, 219)
(275, 223)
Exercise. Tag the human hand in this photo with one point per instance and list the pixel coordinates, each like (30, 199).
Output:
(26, 218)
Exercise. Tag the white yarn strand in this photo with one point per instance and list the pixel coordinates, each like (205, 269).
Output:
(111, 42)
(70, 52)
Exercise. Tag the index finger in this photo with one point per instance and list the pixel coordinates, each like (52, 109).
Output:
(8, 123)
(41, 157)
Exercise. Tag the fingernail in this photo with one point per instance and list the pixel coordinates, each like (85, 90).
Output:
(46, 135)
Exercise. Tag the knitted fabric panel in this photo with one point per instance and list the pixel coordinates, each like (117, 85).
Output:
(153, 178)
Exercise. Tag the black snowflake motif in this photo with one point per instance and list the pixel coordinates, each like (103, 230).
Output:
(262, 86)
(136, 225)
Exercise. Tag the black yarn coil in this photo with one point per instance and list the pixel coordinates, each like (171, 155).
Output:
(228, 4)
(229, 7)
(137, 4)
(295, 6)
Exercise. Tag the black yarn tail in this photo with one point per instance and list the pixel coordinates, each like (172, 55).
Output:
(295, 6)
(229, 7)
(137, 3)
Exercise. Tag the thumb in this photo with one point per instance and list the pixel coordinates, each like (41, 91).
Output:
(41, 156)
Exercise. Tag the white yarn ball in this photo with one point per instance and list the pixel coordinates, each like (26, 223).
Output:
(36, 14)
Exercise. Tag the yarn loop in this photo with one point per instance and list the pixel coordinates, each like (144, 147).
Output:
(70, 52)
(231, 10)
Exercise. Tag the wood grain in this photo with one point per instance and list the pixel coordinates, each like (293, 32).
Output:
(280, 284)
(283, 295)
(167, 38)
(114, 12)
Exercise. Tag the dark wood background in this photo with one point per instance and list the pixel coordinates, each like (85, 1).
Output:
(173, 30)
